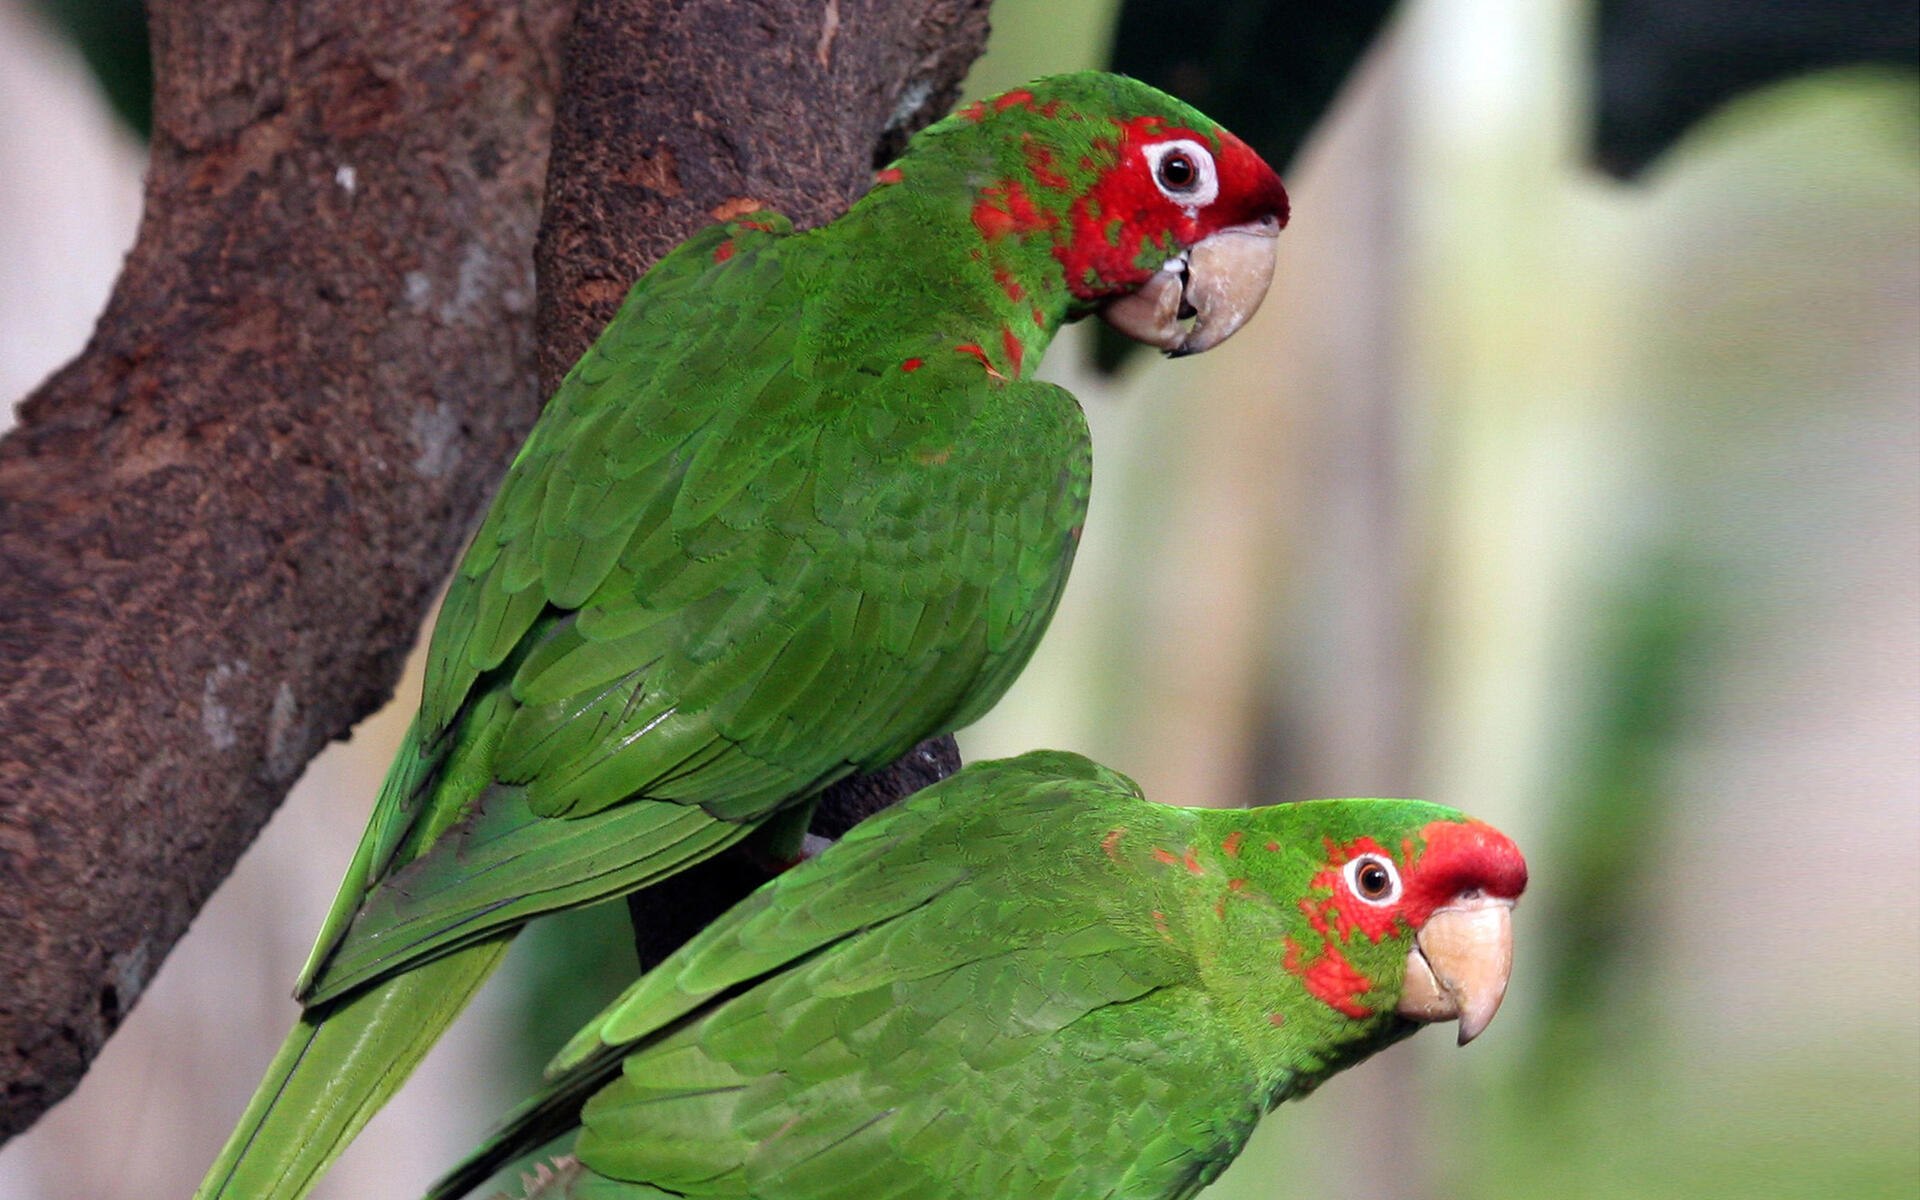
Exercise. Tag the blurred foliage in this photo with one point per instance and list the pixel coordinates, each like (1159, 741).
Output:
(1657, 640)
(112, 36)
(1663, 1122)
(1265, 70)
(1662, 65)
(569, 966)
(1269, 69)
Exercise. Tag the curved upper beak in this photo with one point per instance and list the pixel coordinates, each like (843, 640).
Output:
(1201, 297)
(1459, 963)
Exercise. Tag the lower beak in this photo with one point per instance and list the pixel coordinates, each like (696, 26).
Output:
(1458, 967)
(1201, 297)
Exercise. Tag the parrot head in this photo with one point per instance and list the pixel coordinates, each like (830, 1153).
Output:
(1399, 907)
(1160, 221)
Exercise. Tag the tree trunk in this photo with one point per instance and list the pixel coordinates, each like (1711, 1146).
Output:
(221, 525)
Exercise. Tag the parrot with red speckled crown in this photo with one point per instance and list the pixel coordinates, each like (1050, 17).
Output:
(1026, 981)
(799, 508)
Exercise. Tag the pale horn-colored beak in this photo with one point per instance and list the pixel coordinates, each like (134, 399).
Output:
(1217, 285)
(1459, 964)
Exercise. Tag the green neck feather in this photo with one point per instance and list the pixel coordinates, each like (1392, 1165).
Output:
(1303, 988)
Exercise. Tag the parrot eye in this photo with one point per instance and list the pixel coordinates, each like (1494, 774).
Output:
(1373, 879)
(1183, 171)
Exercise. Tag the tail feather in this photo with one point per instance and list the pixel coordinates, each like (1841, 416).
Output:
(553, 1113)
(338, 1066)
(565, 1179)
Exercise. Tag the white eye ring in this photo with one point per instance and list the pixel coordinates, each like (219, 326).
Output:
(1372, 894)
(1204, 188)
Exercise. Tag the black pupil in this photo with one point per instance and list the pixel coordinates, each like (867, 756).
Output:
(1176, 171)
(1374, 880)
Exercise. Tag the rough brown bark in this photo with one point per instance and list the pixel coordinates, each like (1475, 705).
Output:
(220, 526)
(780, 103)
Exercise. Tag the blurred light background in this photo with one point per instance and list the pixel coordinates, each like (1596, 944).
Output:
(1591, 508)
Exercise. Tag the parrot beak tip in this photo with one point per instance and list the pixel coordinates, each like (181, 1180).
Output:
(1458, 966)
(1202, 296)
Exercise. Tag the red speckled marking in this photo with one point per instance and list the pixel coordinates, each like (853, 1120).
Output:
(1111, 843)
(1340, 911)
(1273, 845)
(723, 251)
(1015, 351)
(1039, 318)
(1456, 859)
(1160, 923)
(1231, 847)
(1040, 165)
(1191, 863)
(912, 364)
(1236, 887)
(890, 175)
(1276, 1019)
(1022, 98)
(977, 352)
(1101, 257)
(975, 112)
(1330, 979)
(1005, 208)
(1003, 276)
(1167, 857)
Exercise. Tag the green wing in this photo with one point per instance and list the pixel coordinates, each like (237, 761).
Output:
(966, 998)
(720, 575)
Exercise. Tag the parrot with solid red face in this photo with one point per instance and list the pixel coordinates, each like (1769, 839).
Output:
(799, 508)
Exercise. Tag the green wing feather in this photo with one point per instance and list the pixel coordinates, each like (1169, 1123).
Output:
(920, 970)
(725, 570)
(724, 605)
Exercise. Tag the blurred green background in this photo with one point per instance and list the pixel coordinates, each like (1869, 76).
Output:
(1592, 508)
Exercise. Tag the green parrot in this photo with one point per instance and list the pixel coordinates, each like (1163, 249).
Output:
(799, 508)
(1027, 981)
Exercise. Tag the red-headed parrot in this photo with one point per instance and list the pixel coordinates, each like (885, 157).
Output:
(800, 507)
(1027, 981)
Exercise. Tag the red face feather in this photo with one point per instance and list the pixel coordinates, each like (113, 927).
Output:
(1458, 859)
(1119, 225)
(1099, 194)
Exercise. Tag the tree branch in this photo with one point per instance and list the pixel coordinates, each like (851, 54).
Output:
(221, 525)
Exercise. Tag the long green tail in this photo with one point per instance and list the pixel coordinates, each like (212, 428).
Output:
(334, 1072)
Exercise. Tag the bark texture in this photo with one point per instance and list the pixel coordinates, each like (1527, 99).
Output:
(221, 525)
(677, 114)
